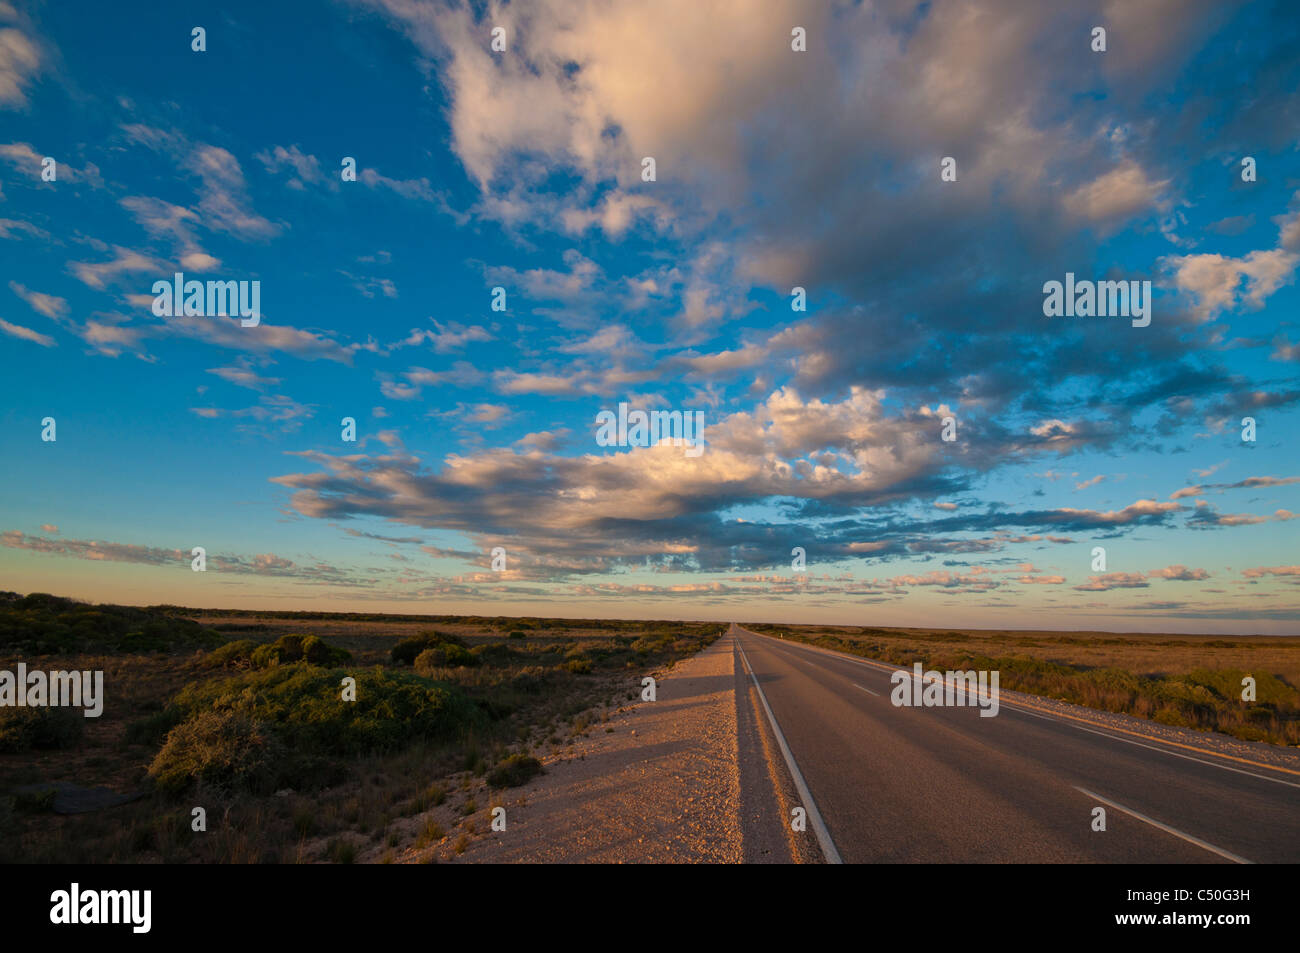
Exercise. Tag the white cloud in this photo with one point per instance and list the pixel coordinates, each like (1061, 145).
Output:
(26, 334)
(1115, 195)
(1214, 281)
(51, 306)
(20, 60)
(125, 261)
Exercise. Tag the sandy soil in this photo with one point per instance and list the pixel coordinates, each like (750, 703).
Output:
(662, 787)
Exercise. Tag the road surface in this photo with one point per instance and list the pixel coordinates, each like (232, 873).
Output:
(892, 784)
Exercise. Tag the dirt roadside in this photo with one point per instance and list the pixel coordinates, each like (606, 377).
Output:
(683, 779)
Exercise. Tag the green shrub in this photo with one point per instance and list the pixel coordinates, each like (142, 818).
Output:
(516, 634)
(318, 652)
(578, 666)
(652, 643)
(264, 656)
(42, 624)
(1226, 683)
(289, 647)
(231, 655)
(224, 750)
(459, 655)
(285, 650)
(152, 729)
(428, 660)
(444, 656)
(406, 651)
(497, 653)
(40, 727)
(296, 711)
(513, 771)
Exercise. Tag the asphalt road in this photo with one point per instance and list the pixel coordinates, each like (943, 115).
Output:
(943, 785)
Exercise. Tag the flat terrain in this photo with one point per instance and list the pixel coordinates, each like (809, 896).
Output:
(701, 775)
(764, 744)
(943, 784)
(285, 771)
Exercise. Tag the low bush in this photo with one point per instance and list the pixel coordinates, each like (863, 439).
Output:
(153, 728)
(223, 751)
(444, 656)
(246, 654)
(231, 655)
(319, 652)
(513, 771)
(297, 712)
(42, 624)
(22, 729)
(406, 651)
(496, 653)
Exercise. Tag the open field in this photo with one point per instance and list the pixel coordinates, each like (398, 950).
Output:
(1182, 680)
(245, 715)
(242, 714)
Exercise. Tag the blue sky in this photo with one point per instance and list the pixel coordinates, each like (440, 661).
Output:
(775, 169)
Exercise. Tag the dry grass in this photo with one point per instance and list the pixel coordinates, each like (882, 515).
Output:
(1185, 680)
(388, 803)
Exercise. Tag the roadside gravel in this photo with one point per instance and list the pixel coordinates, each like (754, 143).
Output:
(662, 787)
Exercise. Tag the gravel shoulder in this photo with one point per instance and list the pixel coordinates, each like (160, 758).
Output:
(662, 787)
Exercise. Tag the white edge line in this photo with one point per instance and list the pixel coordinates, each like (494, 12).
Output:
(819, 826)
(1130, 741)
(1012, 705)
(1227, 855)
(865, 689)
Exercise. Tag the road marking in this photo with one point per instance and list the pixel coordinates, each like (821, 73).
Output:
(819, 826)
(1173, 754)
(1019, 705)
(865, 689)
(1226, 855)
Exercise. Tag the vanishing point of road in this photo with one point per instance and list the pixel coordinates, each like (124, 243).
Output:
(887, 784)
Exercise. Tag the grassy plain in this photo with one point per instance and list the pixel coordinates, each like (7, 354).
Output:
(243, 714)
